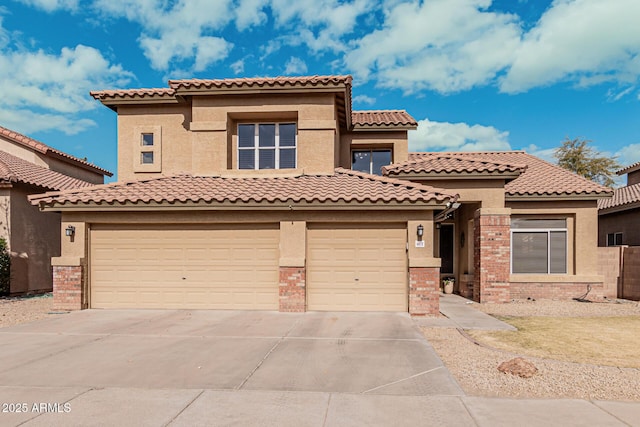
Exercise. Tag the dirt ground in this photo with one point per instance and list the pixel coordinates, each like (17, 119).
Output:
(16, 310)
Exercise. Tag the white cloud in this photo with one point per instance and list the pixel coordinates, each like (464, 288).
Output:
(364, 99)
(585, 41)
(249, 13)
(543, 153)
(444, 136)
(52, 5)
(295, 66)
(43, 90)
(238, 66)
(629, 154)
(177, 31)
(320, 24)
(26, 121)
(441, 45)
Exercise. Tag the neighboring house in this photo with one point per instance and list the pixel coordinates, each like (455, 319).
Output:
(265, 193)
(30, 167)
(619, 216)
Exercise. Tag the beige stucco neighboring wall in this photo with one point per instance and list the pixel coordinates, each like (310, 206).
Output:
(582, 224)
(395, 140)
(292, 243)
(35, 238)
(50, 162)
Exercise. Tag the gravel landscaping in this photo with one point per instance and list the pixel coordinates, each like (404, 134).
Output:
(475, 366)
(15, 310)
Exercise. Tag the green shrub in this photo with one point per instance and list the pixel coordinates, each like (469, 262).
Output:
(5, 268)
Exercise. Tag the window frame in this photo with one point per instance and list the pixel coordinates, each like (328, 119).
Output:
(256, 148)
(140, 148)
(615, 239)
(548, 231)
(371, 150)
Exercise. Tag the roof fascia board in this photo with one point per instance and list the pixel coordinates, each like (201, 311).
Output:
(293, 206)
(621, 208)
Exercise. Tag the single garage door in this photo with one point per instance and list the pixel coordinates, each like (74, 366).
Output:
(185, 267)
(357, 268)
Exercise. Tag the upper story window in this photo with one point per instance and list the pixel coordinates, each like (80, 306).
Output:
(539, 246)
(267, 146)
(148, 149)
(370, 161)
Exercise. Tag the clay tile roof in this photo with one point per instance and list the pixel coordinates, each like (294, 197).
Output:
(540, 178)
(15, 169)
(627, 196)
(259, 82)
(383, 118)
(631, 168)
(451, 164)
(132, 93)
(345, 186)
(40, 147)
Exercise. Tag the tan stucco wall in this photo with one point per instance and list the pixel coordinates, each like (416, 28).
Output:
(582, 224)
(396, 140)
(22, 152)
(35, 238)
(199, 136)
(489, 192)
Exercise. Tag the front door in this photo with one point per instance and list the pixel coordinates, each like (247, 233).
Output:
(446, 248)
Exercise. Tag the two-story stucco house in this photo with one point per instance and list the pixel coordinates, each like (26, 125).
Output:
(30, 167)
(272, 194)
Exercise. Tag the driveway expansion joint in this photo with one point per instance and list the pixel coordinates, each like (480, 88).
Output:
(185, 408)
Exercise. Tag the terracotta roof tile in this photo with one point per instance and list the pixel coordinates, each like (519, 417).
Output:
(260, 82)
(623, 196)
(132, 93)
(15, 169)
(381, 118)
(631, 168)
(541, 178)
(451, 164)
(345, 186)
(40, 147)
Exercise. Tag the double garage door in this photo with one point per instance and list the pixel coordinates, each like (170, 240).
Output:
(178, 267)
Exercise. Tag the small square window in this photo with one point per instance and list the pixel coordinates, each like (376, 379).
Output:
(614, 239)
(146, 157)
(147, 139)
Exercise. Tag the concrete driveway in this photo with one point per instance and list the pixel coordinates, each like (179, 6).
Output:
(186, 368)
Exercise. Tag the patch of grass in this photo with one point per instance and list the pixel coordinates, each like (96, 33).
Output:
(609, 341)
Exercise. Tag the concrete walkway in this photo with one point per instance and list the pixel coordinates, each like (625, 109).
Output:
(193, 407)
(460, 313)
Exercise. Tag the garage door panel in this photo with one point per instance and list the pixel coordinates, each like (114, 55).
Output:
(172, 267)
(356, 268)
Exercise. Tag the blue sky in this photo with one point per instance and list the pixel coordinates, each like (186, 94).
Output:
(476, 74)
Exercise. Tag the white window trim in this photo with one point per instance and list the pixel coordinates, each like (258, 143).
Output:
(256, 145)
(548, 231)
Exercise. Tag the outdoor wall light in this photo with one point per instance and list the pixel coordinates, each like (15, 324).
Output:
(70, 231)
(420, 232)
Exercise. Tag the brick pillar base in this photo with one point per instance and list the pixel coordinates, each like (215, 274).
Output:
(424, 291)
(67, 287)
(492, 235)
(293, 289)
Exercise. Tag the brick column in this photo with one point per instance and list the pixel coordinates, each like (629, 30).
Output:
(424, 291)
(293, 289)
(492, 238)
(67, 287)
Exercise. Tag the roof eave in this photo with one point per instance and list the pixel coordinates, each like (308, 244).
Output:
(619, 208)
(383, 127)
(455, 175)
(555, 197)
(432, 204)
